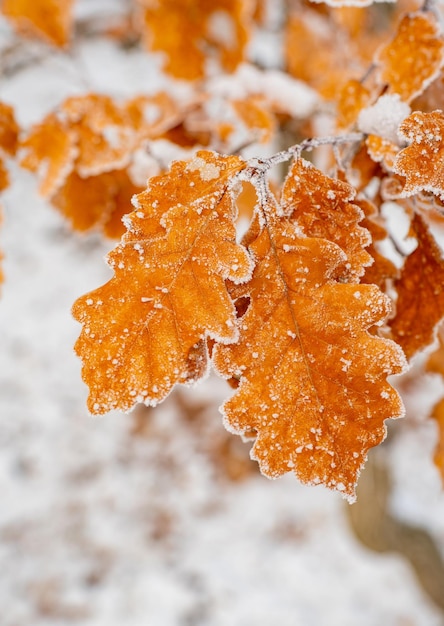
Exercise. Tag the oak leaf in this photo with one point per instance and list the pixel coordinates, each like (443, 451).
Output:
(312, 380)
(420, 289)
(422, 162)
(322, 207)
(144, 330)
(50, 19)
(413, 59)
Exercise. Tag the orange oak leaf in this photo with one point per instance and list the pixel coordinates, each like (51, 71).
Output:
(144, 330)
(422, 162)
(185, 30)
(50, 148)
(312, 380)
(322, 207)
(420, 288)
(8, 130)
(50, 19)
(412, 60)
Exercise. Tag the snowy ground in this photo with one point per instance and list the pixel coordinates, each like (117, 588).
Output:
(155, 519)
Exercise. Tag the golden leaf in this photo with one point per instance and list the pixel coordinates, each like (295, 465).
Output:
(411, 61)
(322, 207)
(144, 330)
(313, 382)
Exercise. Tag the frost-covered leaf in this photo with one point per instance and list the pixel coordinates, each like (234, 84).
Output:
(420, 289)
(50, 19)
(422, 162)
(185, 31)
(322, 207)
(412, 60)
(144, 330)
(312, 380)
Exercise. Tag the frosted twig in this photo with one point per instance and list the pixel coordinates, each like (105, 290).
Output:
(306, 145)
(257, 168)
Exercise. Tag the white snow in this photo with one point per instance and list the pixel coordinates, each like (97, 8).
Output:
(384, 117)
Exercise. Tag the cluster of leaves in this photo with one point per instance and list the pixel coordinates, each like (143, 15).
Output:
(317, 304)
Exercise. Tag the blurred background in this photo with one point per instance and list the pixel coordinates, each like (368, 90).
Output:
(158, 517)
